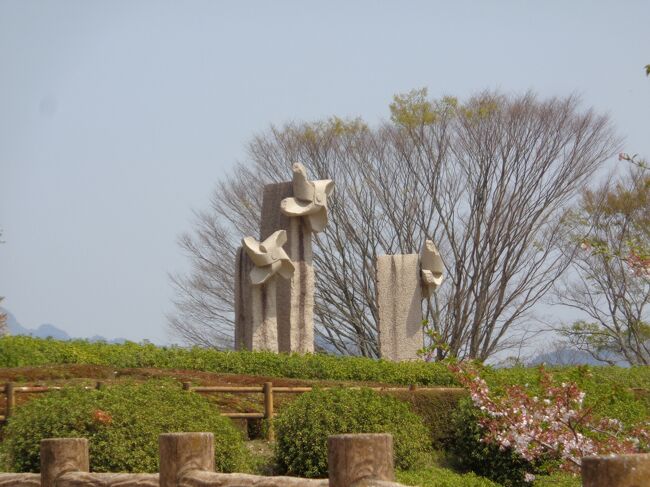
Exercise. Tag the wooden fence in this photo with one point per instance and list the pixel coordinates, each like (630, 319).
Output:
(268, 390)
(187, 460)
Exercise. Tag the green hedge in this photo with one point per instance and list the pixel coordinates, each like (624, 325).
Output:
(437, 409)
(122, 424)
(304, 426)
(441, 477)
(20, 351)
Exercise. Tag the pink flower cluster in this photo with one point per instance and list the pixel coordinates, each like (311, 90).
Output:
(554, 424)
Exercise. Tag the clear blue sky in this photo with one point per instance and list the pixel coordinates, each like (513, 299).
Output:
(117, 118)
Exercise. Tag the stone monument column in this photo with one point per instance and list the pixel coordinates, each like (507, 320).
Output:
(402, 282)
(299, 207)
(258, 264)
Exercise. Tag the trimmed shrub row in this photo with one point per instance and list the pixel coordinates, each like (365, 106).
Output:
(122, 424)
(20, 351)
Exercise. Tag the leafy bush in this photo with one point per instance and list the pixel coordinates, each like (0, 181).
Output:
(437, 409)
(441, 477)
(303, 428)
(609, 390)
(122, 424)
(470, 453)
(524, 411)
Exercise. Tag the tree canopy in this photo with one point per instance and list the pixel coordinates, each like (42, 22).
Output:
(487, 179)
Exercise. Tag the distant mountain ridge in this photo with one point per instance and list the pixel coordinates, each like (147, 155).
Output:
(48, 330)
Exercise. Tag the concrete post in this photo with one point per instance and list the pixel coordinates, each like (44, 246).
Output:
(351, 458)
(617, 471)
(62, 455)
(295, 296)
(183, 452)
(399, 301)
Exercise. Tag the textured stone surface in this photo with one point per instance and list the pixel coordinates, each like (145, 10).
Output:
(309, 199)
(359, 457)
(399, 302)
(264, 332)
(619, 471)
(243, 301)
(295, 296)
(432, 268)
(256, 326)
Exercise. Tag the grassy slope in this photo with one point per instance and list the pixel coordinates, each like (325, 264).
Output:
(613, 391)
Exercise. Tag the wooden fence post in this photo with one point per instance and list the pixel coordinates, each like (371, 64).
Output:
(268, 410)
(618, 471)
(182, 452)
(11, 399)
(351, 458)
(187, 386)
(62, 455)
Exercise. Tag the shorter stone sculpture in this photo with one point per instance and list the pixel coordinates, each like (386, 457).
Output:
(309, 199)
(431, 268)
(258, 263)
(403, 281)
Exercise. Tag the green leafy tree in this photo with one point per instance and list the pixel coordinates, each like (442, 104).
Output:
(610, 284)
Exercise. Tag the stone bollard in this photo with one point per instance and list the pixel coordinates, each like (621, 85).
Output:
(62, 455)
(183, 452)
(616, 471)
(355, 457)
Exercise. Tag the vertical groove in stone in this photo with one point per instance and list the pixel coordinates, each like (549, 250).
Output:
(295, 296)
(243, 301)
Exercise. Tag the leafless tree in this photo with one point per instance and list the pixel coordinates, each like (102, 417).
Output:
(486, 180)
(609, 284)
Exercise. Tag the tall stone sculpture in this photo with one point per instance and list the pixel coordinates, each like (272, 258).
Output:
(300, 208)
(402, 282)
(256, 326)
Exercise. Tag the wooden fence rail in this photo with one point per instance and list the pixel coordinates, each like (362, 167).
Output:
(267, 389)
(187, 459)
(10, 390)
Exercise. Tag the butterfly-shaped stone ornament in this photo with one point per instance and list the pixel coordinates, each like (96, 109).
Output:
(268, 257)
(431, 268)
(309, 199)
